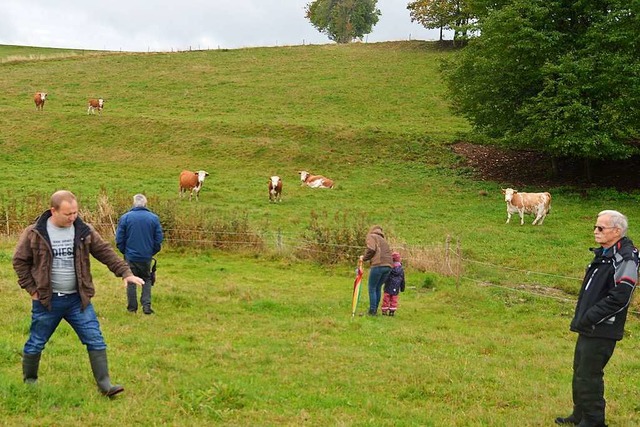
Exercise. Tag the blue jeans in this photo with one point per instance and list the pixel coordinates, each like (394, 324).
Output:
(377, 277)
(68, 307)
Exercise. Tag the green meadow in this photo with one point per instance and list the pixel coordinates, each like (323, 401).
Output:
(265, 337)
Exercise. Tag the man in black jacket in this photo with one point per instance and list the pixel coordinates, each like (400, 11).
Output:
(600, 315)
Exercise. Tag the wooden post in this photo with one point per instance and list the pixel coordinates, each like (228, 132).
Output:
(459, 266)
(447, 247)
(279, 240)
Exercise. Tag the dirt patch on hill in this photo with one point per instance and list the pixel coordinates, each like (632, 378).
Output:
(530, 169)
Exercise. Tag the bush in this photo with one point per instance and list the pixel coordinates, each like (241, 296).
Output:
(331, 240)
(429, 281)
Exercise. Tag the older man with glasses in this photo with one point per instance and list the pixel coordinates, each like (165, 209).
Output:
(600, 315)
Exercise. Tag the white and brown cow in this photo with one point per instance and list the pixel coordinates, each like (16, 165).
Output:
(192, 182)
(39, 99)
(537, 204)
(275, 189)
(315, 181)
(95, 104)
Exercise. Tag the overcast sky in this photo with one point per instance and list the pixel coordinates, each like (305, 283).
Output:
(164, 25)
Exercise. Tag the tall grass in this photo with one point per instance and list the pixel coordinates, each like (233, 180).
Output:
(328, 239)
(333, 239)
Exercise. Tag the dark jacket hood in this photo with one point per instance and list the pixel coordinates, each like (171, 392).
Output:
(82, 229)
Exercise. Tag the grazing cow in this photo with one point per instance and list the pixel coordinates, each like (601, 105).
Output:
(191, 181)
(315, 181)
(537, 204)
(275, 189)
(39, 99)
(95, 104)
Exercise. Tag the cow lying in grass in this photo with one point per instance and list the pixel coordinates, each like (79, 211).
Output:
(315, 181)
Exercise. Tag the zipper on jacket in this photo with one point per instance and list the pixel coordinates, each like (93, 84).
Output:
(590, 279)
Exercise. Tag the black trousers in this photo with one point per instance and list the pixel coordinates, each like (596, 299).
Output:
(143, 271)
(590, 357)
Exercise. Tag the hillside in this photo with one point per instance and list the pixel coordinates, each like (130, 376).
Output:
(373, 117)
(242, 115)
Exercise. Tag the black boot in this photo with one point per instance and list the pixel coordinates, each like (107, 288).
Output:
(571, 419)
(100, 368)
(30, 364)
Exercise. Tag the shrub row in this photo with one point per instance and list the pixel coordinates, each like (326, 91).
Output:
(328, 238)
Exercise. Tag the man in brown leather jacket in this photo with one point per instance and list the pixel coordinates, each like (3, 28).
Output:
(52, 264)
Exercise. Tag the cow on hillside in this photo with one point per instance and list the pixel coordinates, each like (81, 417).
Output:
(95, 104)
(315, 181)
(192, 182)
(275, 189)
(537, 204)
(39, 99)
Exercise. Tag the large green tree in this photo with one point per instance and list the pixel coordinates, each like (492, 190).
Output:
(555, 75)
(441, 14)
(343, 20)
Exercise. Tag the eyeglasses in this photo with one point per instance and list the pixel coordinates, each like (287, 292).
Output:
(600, 228)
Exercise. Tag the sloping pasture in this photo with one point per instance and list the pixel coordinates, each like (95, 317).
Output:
(265, 340)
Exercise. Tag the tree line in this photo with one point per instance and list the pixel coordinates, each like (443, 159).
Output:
(557, 76)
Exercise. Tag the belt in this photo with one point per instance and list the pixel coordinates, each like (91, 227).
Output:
(60, 294)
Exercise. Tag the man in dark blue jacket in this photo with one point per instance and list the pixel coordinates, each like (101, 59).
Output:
(600, 315)
(139, 237)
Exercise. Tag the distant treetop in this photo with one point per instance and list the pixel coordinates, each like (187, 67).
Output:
(343, 20)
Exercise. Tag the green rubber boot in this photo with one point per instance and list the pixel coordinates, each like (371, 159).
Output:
(30, 365)
(100, 368)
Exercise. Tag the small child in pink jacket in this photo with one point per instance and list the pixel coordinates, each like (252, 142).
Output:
(393, 286)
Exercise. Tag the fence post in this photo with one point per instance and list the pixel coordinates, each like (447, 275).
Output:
(279, 240)
(447, 247)
(459, 266)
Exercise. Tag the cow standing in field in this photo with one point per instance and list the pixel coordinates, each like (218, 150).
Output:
(39, 99)
(537, 204)
(315, 181)
(275, 189)
(95, 104)
(192, 182)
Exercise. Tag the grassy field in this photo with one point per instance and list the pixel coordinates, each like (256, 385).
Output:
(266, 339)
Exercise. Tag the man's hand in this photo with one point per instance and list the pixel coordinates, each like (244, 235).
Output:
(133, 279)
(35, 296)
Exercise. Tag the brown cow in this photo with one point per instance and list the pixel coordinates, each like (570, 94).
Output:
(275, 189)
(191, 181)
(95, 104)
(39, 99)
(315, 181)
(537, 204)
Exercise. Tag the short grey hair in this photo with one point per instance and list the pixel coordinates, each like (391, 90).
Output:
(617, 220)
(139, 201)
